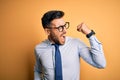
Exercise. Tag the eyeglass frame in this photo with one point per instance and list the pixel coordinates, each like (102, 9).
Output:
(61, 27)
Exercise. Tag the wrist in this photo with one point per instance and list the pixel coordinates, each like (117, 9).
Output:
(88, 31)
(90, 34)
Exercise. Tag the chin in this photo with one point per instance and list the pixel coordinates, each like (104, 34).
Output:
(62, 43)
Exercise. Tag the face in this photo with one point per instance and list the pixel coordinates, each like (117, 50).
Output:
(56, 36)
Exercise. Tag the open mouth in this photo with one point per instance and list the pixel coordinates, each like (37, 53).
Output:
(63, 38)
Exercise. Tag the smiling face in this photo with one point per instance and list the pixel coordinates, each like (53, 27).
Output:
(55, 36)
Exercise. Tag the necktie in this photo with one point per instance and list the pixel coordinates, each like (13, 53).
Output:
(58, 63)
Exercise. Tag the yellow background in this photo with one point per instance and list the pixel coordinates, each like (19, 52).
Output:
(21, 30)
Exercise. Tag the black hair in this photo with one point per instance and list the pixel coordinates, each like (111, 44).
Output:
(51, 15)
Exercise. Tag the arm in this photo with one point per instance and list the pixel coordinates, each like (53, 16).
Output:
(93, 55)
(37, 68)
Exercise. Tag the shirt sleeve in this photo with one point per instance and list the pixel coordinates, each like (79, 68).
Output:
(94, 54)
(37, 68)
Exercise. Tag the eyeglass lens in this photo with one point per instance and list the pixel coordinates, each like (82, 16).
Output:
(66, 26)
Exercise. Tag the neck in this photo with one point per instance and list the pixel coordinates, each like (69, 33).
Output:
(51, 40)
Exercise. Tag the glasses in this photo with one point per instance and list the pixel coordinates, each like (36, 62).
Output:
(61, 28)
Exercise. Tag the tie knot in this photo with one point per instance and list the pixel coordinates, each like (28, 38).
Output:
(56, 45)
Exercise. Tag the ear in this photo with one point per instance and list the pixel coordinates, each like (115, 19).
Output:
(47, 31)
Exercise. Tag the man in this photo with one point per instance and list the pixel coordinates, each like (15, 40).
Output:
(67, 66)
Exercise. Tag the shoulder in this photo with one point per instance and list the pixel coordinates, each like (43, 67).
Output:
(42, 46)
(75, 42)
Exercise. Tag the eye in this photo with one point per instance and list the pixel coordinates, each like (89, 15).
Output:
(61, 26)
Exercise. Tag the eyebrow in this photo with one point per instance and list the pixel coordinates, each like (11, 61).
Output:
(59, 25)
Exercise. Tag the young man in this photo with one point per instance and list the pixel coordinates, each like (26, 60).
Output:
(57, 58)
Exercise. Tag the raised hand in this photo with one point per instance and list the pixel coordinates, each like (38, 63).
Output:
(83, 28)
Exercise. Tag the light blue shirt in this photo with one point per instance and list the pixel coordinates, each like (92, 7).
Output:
(71, 52)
